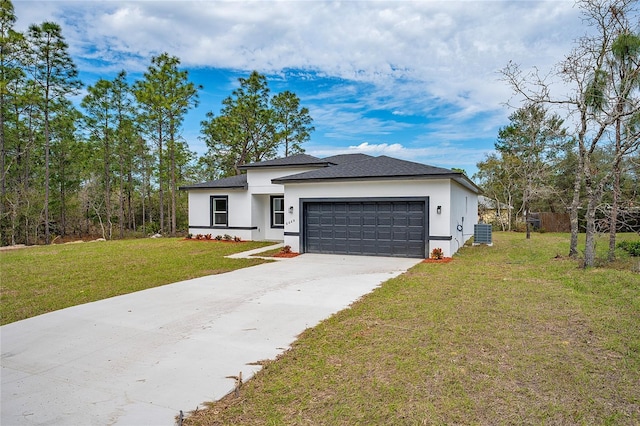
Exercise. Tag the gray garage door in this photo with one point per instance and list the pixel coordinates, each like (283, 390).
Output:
(374, 228)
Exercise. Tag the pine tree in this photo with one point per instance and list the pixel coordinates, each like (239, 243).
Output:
(56, 77)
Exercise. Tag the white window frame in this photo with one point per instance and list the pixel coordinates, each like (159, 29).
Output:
(215, 213)
(275, 213)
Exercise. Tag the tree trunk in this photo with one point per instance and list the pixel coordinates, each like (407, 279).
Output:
(613, 220)
(47, 234)
(131, 220)
(3, 186)
(526, 220)
(577, 185)
(173, 180)
(63, 201)
(590, 244)
(121, 201)
(592, 204)
(510, 213)
(573, 213)
(160, 191)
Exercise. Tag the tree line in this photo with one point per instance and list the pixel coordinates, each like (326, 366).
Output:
(113, 165)
(573, 143)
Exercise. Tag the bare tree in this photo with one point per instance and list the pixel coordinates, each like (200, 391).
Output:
(599, 96)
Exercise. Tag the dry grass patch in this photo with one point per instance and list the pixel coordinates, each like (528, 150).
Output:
(504, 335)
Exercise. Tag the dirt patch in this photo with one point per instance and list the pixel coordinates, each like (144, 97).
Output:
(14, 247)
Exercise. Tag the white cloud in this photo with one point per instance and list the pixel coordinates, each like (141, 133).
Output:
(436, 60)
(371, 41)
(381, 148)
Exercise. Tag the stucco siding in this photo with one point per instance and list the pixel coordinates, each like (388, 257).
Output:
(438, 192)
(262, 218)
(464, 215)
(259, 181)
(238, 213)
(199, 208)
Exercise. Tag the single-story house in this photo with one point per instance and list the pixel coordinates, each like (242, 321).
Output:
(353, 204)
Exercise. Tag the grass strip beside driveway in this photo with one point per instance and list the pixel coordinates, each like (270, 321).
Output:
(509, 334)
(36, 280)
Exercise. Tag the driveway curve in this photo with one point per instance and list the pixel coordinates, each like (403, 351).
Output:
(140, 358)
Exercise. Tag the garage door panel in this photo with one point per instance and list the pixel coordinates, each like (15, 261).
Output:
(353, 220)
(400, 221)
(385, 207)
(369, 234)
(415, 236)
(354, 234)
(416, 221)
(340, 207)
(384, 228)
(384, 221)
(340, 233)
(400, 235)
(326, 233)
(369, 220)
(340, 220)
(384, 234)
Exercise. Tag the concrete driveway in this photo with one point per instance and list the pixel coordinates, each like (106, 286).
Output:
(140, 358)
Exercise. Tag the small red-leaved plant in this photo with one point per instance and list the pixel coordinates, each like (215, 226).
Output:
(437, 253)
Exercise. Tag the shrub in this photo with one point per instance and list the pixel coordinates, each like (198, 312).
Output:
(520, 227)
(632, 247)
(285, 250)
(227, 237)
(218, 237)
(237, 239)
(437, 253)
(189, 236)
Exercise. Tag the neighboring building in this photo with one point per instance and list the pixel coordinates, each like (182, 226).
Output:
(493, 212)
(345, 204)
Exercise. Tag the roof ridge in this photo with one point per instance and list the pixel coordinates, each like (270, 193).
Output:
(300, 159)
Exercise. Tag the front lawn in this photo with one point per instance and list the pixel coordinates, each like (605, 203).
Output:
(36, 280)
(510, 334)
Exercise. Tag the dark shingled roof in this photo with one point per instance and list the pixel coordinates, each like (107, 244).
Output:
(292, 161)
(382, 167)
(344, 158)
(239, 182)
(342, 167)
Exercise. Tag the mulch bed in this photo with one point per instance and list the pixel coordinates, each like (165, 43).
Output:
(443, 260)
(213, 240)
(287, 255)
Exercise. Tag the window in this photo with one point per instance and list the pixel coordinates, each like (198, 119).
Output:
(277, 212)
(219, 212)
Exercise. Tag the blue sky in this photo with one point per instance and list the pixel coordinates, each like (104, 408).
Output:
(415, 80)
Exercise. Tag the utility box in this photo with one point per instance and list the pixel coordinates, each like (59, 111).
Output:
(482, 234)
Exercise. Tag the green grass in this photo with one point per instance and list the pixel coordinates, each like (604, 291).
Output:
(36, 280)
(509, 334)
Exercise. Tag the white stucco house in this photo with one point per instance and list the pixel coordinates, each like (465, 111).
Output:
(345, 204)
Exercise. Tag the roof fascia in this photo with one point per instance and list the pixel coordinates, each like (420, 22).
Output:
(191, 188)
(284, 166)
(454, 176)
(345, 179)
